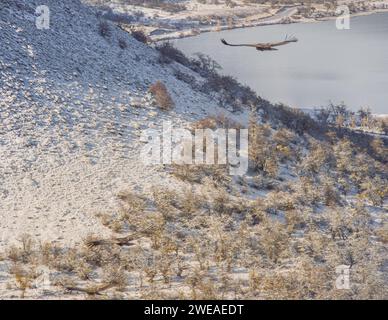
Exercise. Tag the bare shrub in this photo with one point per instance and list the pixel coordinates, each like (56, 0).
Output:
(166, 202)
(187, 78)
(382, 233)
(123, 44)
(132, 205)
(24, 278)
(280, 200)
(104, 29)
(217, 121)
(116, 276)
(218, 174)
(25, 253)
(169, 54)
(139, 35)
(262, 155)
(319, 159)
(161, 96)
(375, 190)
(274, 240)
(189, 203)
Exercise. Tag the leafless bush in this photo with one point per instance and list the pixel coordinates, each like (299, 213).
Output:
(104, 29)
(161, 96)
(187, 78)
(24, 278)
(123, 44)
(23, 253)
(169, 53)
(199, 173)
(217, 121)
(140, 36)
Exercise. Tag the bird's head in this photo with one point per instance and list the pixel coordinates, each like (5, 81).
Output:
(291, 39)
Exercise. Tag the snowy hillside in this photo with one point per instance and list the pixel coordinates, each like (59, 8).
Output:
(68, 130)
(82, 213)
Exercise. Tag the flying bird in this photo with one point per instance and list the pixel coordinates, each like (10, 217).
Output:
(263, 46)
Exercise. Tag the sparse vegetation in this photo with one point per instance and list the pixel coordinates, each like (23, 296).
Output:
(287, 241)
(204, 234)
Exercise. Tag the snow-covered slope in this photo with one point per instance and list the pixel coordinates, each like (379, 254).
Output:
(68, 132)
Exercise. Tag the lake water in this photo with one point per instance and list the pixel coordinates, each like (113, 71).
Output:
(325, 65)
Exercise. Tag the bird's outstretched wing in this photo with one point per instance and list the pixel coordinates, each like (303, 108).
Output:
(237, 45)
(285, 41)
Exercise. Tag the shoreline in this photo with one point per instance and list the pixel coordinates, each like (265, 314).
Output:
(176, 35)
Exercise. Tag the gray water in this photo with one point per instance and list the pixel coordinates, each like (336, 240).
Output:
(326, 64)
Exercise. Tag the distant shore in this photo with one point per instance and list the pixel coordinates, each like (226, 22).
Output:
(272, 20)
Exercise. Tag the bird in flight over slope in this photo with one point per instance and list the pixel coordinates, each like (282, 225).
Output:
(263, 46)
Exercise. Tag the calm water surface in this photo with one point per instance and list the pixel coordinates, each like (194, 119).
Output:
(325, 65)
